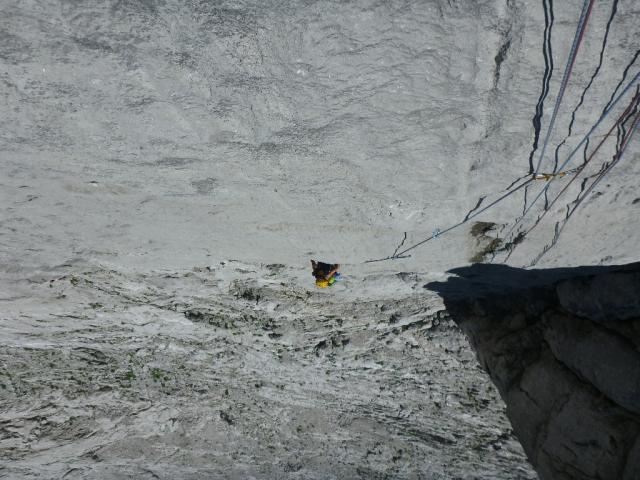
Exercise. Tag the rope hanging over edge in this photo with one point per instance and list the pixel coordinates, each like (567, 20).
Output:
(604, 114)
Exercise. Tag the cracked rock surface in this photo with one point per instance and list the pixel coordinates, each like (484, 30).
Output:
(566, 360)
(236, 371)
(145, 144)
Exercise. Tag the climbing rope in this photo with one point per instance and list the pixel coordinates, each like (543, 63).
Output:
(618, 157)
(604, 114)
(438, 233)
(604, 173)
(578, 171)
(577, 40)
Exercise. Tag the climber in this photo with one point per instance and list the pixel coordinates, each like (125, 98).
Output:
(326, 274)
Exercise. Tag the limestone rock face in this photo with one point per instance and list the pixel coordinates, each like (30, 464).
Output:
(565, 359)
(249, 129)
(169, 167)
(212, 374)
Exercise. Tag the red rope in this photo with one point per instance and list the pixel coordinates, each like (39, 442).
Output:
(579, 170)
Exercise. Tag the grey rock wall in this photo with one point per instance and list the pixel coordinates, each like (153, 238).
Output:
(238, 371)
(141, 139)
(565, 358)
(158, 133)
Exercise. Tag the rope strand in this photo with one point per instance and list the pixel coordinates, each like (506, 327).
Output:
(577, 40)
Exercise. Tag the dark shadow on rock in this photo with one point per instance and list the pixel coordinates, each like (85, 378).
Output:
(482, 279)
(563, 348)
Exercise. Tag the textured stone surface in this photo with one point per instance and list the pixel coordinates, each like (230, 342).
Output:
(632, 469)
(143, 142)
(238, 371)
(159, 132)
(568, 372)
(606, 359)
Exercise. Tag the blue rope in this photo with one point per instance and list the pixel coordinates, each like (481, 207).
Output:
(565, 80)
(575, 150)
(438, 232)
(591, 187)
